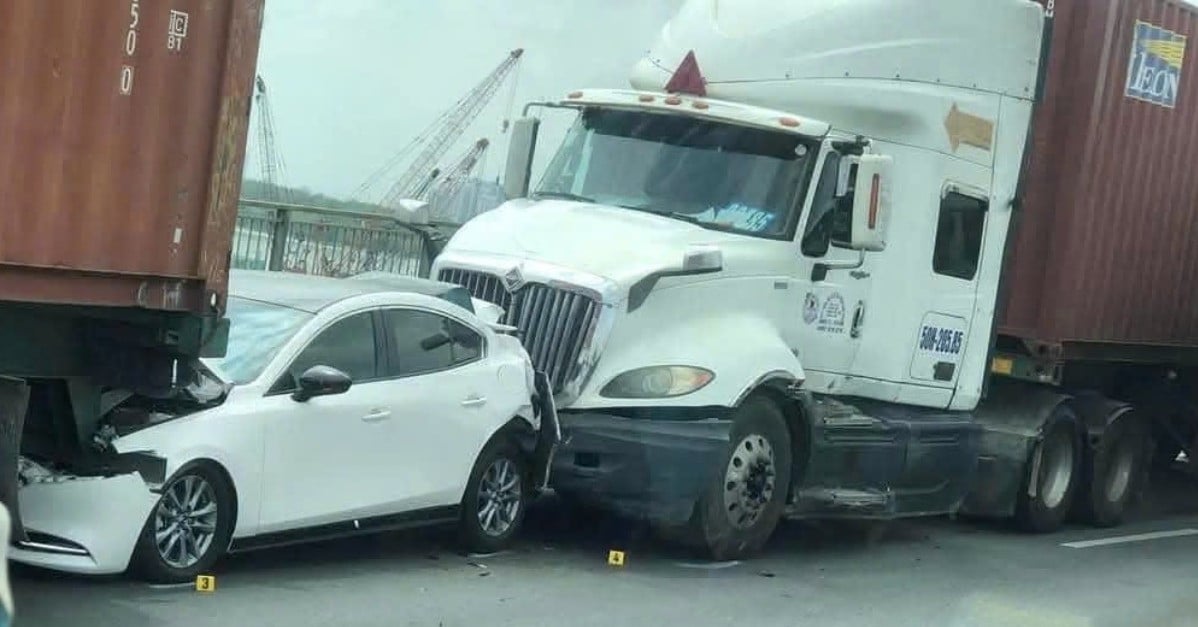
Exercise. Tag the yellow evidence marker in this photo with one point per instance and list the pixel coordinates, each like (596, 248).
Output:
(205, 583)
(615, 558)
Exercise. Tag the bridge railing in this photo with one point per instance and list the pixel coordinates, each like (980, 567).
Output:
(330, 242)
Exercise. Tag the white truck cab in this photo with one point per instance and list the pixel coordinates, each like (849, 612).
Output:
(763, 281)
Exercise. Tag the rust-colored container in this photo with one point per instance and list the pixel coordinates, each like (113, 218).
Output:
(122, 137)
(1104, 261)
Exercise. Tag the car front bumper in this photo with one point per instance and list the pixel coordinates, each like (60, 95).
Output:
(82, 525)
(653, 469)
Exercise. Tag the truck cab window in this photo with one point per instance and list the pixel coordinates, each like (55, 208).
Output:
(831, 215)
(959, 236)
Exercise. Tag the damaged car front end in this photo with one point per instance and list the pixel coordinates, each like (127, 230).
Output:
(77, 502)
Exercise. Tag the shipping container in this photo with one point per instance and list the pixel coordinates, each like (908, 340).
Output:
(122, 137)
(1104, 258)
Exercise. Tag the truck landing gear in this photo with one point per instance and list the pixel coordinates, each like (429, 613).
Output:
(741, 508)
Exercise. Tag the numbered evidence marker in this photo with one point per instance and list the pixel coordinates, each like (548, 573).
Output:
(615, 558)
(205, 583)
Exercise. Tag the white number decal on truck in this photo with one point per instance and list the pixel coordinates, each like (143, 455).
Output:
(130, 47)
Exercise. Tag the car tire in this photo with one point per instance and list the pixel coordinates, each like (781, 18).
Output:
(741, 508)
(496, 497)
(1057, 477)
(199, 498)
(1115, 474)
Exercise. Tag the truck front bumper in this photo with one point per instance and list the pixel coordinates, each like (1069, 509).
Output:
(653, 469)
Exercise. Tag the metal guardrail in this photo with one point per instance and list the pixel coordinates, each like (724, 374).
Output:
(315, 240)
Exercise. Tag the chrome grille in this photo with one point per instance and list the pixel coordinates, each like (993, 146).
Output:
(554, 324)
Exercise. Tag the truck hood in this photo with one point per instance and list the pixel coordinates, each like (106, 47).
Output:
(618, 244)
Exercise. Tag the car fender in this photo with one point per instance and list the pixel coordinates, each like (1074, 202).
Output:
(191, 439)
(743, 349)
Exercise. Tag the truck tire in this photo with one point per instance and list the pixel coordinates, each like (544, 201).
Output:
(1057, 477)
(1115, 473)
(741, 508)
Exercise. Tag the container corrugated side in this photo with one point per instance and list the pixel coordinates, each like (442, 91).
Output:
(1105, 252)
(122, 137)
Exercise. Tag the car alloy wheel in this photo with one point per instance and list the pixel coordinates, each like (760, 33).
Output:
(185, 521)
(499, 497)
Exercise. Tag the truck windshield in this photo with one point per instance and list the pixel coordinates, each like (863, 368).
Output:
(257, 330)
(716, 175)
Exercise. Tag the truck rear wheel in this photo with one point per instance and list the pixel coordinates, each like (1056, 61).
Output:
(741, 508)
(1055, 478)
(1115, 474)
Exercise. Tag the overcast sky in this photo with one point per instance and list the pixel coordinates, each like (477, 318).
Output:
(352, 81)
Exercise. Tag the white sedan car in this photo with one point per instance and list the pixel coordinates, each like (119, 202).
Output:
(341, 407)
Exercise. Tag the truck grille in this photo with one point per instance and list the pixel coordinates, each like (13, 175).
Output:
(555, 324)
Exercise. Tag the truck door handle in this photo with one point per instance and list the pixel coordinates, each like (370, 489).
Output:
(858, 320)
(377, 415)
(474, 401)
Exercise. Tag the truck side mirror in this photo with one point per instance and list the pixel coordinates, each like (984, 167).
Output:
(871, 202)
(519, 157)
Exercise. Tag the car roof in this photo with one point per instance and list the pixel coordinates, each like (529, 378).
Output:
(312, 293)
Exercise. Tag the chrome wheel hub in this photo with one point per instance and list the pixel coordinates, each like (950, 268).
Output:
(499, 495)
(749, 481)
(185, 521)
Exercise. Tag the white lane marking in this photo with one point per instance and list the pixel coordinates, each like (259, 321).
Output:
(171, 586)
(708, 565)
(1139, 537)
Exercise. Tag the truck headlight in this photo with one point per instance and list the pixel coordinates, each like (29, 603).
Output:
(657, 382)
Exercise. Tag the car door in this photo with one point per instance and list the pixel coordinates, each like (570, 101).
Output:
(326, 459)
(445, 406)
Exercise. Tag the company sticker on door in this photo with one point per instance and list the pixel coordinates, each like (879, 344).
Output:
(831, 315)
(1154, 71)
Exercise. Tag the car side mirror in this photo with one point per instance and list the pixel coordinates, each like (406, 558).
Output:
(321, 381)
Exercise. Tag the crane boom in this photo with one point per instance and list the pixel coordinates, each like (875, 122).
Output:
(456, 176)
(270, 162)
(449, 128)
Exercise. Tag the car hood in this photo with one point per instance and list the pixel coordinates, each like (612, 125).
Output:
(621, 245)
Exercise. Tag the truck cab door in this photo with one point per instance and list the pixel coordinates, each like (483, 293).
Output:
(832, 280)
(956, 229)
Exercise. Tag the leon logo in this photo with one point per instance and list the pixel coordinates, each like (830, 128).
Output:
(1154, 72)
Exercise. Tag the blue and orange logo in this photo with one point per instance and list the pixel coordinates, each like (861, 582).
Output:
(1154, 72)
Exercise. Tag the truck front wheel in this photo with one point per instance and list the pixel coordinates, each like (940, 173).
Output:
(741, 508)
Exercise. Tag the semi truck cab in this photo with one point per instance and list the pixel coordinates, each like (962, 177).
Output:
(764, 281)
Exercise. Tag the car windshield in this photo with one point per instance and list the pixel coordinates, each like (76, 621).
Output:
(716, 175)
(257, 330)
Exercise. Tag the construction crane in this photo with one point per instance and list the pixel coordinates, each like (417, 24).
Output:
(270, 161)
(438, 138)
(456, 176)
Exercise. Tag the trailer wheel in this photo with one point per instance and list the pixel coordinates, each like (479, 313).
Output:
(1055, 479)
(742, 507)
(1115, 474)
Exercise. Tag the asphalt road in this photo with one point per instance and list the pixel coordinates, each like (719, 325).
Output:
(929, 572)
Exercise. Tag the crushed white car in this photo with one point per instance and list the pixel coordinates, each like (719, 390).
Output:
(341, 407)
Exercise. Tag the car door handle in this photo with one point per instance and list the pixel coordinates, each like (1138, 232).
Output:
(474, 401)
(377, 415)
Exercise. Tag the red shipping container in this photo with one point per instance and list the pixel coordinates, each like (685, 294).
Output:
(1105, 255)
(122, 137)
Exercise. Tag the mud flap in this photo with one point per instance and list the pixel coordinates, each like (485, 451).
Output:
(14, 399)
(550, 434)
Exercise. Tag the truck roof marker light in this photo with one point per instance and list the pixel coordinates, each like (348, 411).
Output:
(673, 100)
(645, 98)
(788, 122)
(688, 78)
(874, 191)
(700, 105)
(574, 95)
